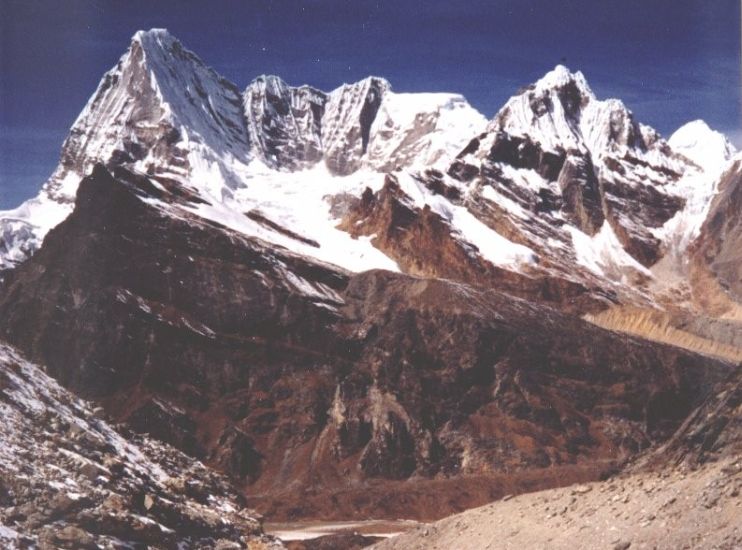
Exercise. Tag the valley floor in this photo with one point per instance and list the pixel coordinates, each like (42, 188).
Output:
(675, 509)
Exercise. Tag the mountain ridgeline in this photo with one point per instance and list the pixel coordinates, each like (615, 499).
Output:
(339, 297)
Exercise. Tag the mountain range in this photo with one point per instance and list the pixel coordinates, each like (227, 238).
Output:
(364, 303)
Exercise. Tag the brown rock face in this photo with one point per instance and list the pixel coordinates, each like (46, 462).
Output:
(716, 264)
(581, 194)
(300, 379)
(713, 431)
(423, 244)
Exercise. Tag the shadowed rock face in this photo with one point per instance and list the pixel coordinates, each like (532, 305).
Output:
(296, 377)
(712, 431)
(581, 194)
(716, 265)
(110, 226)
(521, 152)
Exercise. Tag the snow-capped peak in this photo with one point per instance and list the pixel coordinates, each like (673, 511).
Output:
(153, 37)
(561, 112)
(192, 94)
(561, 76)
(709, 149)
(160, 108)
(162, 111)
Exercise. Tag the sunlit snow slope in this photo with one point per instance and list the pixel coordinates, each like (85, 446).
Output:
(162, 112)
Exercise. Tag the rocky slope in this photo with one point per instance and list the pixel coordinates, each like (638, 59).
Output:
(681, 494)
(677, 509)
(70, 480)
(309, 383)
(716, 276)
(711, 433)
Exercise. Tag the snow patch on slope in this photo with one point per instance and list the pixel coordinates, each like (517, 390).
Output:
(302, 203)
(603, 253)
(421, 129)
(491, 245)
(23, 229)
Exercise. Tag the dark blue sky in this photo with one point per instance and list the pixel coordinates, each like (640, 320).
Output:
(669, 60)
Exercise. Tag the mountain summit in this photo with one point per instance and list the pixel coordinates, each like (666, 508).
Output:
(561, 111)
(160, 109)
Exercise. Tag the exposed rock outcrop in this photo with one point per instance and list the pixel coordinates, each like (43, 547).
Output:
(716, 264)
(681, 494)
(285, 123)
